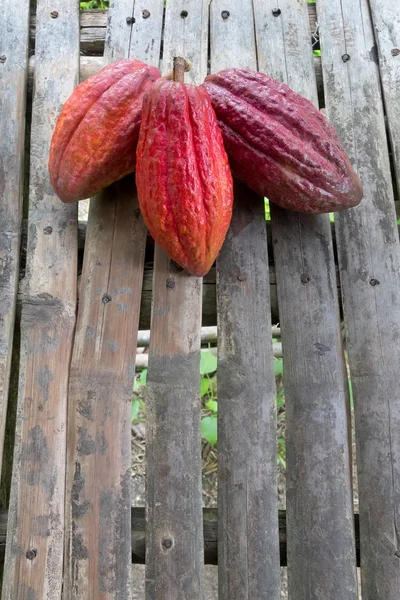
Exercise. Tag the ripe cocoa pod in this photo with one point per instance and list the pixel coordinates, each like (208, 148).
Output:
(280, 145)
(95, 138)
(183, 177)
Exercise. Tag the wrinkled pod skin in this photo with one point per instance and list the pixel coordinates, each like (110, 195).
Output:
(280, 145)
(95, 138)
(183, 177)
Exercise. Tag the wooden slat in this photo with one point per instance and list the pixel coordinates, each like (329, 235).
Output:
(13, 80)
(386, 23)
(369, 258)
(174, 538)
(33, 564)
(321, 548)
(210, 534)
(247, 488)
(98, 525)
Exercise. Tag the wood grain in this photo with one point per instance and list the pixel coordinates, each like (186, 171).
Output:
(321, 548)
(98, 550)
(386, 24)
(174, 542)
(13, 81)
(369, 259)
(247, 489)
(33, 563)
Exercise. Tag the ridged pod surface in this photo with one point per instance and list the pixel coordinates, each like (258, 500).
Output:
(280, 145)
(95, 138)
(183, 177)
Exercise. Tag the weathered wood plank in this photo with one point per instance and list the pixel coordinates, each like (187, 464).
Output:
(33, 564)
(247, 488)
(174, 538)
(369, 258)
(13, 80)
(98, 524)
(321, 549)
(386, 22)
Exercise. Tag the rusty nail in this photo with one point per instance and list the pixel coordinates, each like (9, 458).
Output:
(31, 554)
(395, 52)
(170, 283)
(276, 12)
(130, 20)
(346, 57)
(48, 230)
(184, 14)
(145, 14)
(304, 278)
(106, 299)
(374, 282)
(167, 543)
(225, 14)
(3, 58)
(54, 14)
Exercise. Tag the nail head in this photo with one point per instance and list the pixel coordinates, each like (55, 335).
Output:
(276, 12)
(145, 14)
(31, 554)
(54, 14)
(130, 20)
(48, 230)
(346, 57)
(395, 52)
(167, 543)
(374, 282)
(3, 58)
(106, 299)
(304, 278)
(184, 14)
(225, 14)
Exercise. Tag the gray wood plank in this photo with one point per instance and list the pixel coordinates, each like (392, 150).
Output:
(174, 538)
(98, 545)
(13, 84)
(248, 550)
(386, 23)
(33, 563)
(369, 259)
(321, 547)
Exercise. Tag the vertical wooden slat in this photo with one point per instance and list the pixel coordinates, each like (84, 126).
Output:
(98, 545)
(248, 552)
(321, 548)
(386, 23)
(174, 534)
(14, 38)
(34, 554)
(369, 259)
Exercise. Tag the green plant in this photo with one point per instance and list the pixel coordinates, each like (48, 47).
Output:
(137, 400)
(93, 4)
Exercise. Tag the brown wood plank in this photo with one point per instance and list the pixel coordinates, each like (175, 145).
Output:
(33, 563)
(386, 23)
(13, 80)
(210, 534)
(369, 259)
(321, 548)
(247, 487)
(174, 543)
(98, 550)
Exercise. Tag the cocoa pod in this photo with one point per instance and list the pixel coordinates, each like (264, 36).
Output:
(280, 145)
(95, 138)
(183, 177)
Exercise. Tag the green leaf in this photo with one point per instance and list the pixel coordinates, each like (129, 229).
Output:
(208, 362)
(278, 367)
(135, 408)
(317, 52)
(280, 399)
(351, 394)
(204, 386)
(209, 429)
(143, 377)
(212, 405)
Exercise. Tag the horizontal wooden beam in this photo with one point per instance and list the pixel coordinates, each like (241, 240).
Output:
(210, 528)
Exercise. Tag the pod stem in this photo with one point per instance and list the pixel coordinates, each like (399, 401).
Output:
(180, 66)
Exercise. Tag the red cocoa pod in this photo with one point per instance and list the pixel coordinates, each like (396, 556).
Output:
(183, 177)
(95, 138)
(280, 145)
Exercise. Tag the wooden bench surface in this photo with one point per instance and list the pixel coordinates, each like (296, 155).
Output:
(69, 518)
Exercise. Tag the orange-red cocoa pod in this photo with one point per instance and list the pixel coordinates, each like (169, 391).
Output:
(95, 138)
(183, 177)
(280, 145)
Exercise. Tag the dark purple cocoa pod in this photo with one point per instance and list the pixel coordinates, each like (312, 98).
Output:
(280, 145)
